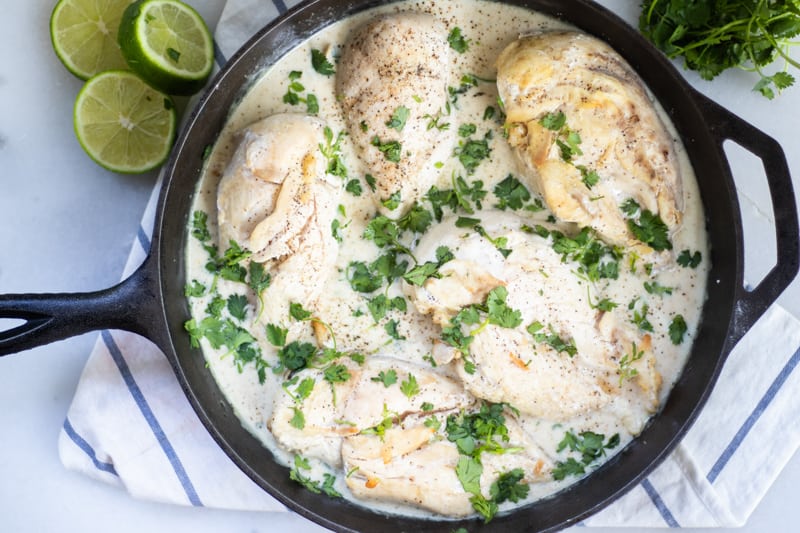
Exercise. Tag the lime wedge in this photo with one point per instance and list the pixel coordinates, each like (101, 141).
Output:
(84, 35)
(124, 124)
(168, 44)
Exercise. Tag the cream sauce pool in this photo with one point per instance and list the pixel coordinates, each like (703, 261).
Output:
(489, 28)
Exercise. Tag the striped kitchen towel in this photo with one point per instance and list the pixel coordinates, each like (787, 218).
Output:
(130, 424)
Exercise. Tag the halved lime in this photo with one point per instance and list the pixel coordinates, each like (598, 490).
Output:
(84, 35)
(123, 123)
(168, 44)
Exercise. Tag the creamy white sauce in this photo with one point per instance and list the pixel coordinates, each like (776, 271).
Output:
(490, 27)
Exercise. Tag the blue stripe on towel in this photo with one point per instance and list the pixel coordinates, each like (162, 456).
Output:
(666, 514)
(144, 407)
(81, 443)
(144, 239)
(280, 6)
(759, 409)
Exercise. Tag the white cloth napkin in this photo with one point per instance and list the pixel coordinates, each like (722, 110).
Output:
(130, 424)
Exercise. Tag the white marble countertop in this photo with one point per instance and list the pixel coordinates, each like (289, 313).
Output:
(67, 225)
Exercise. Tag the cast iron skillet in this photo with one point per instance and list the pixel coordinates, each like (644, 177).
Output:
(151, 302)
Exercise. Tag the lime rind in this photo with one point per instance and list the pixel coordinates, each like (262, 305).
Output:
(123, 123)
(84, 35)
(189, 38)
(168, 44)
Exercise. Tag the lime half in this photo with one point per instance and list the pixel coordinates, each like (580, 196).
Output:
(168, 44)
(84, 35)
(123, 123)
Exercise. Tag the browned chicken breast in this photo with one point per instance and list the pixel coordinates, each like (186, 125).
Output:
(392, 78)
(410, 464)
(561, 358)
(587, 133)
(276, 200)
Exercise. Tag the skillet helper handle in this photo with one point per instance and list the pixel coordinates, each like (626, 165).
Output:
(56, 316)
(751, 304)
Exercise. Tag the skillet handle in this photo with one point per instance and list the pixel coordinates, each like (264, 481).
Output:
(751, 304)
(130, 305)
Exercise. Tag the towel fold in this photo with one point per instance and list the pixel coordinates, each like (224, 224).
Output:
(130, 424)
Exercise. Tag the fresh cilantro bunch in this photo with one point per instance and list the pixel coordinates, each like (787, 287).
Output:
(715, 35)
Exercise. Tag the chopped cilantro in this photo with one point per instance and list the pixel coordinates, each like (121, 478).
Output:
(370, 179)
(639, 315)
(552, 339)
(332, 151)
(409, 387)
(417, 219)
(509, 486)
(457, 41)
(393, 202)
(626, 371)
(646, 226)
(276, 335)
(354, 187)
(465, 130)
(237, 306)
(511, 193)
(656, 288)
(391, 149)
(295, 355)
(297, 312)
(388, 377)
(195, 289)
(472, 151)
(498, 312)
(391, 329)
(337, 373)
(688, 259)
(677, 329)
(362, 279)
(591, 447)
(320, 63)
(399, 118)
(298, 419)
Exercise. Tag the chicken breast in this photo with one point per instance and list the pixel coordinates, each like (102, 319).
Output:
(562, 358)
(413, 464)
(276, 200)
(611, 135)
(371, 395)
(392, 79)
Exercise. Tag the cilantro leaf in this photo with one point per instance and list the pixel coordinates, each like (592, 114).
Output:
(511, 193)
(320, 63)
(498, 312)
(276, 335)
(409, 387)
(391, 150)
(471, 152)
(296, 355)
(399, 118)
(457, 41)
(337, 373)
(689, 259)
(237, 305)
(362, 279)
(508, 486)
(417, 219)
(388, 377)
(677, 329)
(354, 187)
(298, 419)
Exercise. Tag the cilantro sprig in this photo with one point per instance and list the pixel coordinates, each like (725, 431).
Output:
(586, 447)
(715, 36)
(646, 225)
(475, 433)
